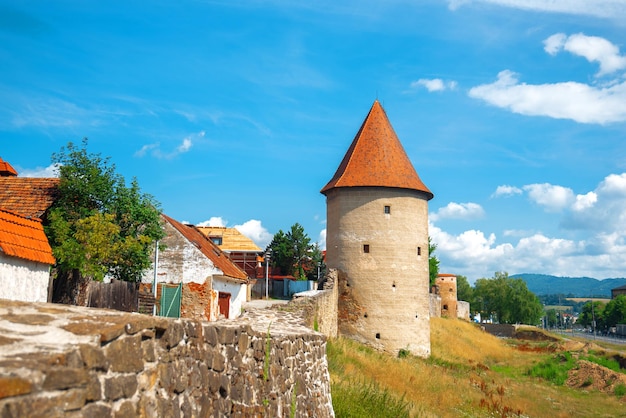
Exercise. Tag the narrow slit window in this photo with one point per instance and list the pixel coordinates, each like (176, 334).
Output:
(387, 210)
(419, 250)
(366, 248)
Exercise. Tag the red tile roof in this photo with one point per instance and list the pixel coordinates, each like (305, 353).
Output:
(28, 196)
(24, 238)
(6, 169)
(376, 158)
(210, 250)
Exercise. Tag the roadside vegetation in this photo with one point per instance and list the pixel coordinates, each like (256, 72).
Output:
(473, 374)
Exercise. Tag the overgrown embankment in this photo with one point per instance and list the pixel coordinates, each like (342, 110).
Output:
(470, 373)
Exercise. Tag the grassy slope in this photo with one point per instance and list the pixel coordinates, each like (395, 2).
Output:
(470, 373)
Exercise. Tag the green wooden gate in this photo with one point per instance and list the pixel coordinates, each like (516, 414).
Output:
(171, 296)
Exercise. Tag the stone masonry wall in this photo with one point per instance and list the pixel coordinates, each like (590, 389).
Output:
(68, 361)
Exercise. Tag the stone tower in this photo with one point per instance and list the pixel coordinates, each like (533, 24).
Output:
(447, 291)
(377, 239)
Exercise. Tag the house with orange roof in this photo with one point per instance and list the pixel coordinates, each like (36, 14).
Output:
(239, 248)
(28, 196)
(206, 282)
(25, 258)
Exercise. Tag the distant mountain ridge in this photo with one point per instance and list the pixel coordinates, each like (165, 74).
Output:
(580, 287)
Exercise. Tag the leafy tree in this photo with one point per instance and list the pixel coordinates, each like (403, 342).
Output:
(464, 291)
(593, 312)
(293, 254)
(507, 300)
(433, 262)
(615, 311)
(98, 226)
(551, 318)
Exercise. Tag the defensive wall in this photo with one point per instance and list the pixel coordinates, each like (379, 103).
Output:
(69, 361)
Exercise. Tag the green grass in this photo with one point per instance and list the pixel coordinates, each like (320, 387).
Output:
(358, 399)
(555, 368)
(609, 363)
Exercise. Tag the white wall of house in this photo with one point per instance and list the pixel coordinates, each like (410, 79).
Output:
(23, 280)
(180, 261)
(237, 292)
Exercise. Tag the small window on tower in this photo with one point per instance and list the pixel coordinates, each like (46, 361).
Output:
(387, 210)
(366, 248)
(419, 250)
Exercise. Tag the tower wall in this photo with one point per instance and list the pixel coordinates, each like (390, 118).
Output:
(383, 293)
(447, 291)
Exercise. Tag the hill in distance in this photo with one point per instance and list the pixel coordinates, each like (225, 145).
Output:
(580, 287)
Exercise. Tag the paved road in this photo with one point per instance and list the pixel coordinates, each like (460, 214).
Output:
(264, 303)
(591, 337)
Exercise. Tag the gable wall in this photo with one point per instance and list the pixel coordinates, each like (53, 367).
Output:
(23, 280)
(181, 261)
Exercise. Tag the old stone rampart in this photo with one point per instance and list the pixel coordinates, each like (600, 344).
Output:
(67, 361)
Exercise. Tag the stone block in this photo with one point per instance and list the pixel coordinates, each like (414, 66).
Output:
(210, 335)
(174, 334)
(125, 354)
(93, 357)
(14, 386)
(126, 409)
(148, 349)
(122, 386)
(93, 387)
(227, 335)
(58, 378)
(96, 410)
(218, 362)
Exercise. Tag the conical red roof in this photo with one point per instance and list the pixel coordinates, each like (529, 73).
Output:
(376, 158)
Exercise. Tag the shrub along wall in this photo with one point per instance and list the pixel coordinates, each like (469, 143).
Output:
(66, 361)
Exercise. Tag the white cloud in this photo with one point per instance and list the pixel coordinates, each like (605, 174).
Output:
(506, 190)
(553, 198)
(554, 43)
(567, 100)
(254, 230)
(593, 48)
(435, 84)
(321, 241)
(155, 148)
(602, 210)
(214, 221)
(614, 9)
(47, 172)
(597, 220)
(459, 211)
(585, 201)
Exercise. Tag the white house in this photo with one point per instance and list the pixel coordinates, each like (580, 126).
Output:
(25, 259)
(210, 286)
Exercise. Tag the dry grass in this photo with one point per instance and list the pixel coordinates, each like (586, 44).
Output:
(470, 373)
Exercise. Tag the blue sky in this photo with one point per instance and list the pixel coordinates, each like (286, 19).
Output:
(238, 112)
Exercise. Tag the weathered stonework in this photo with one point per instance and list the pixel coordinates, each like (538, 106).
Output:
(382, 263)
(67, 361)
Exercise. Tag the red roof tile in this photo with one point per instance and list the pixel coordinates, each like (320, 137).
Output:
(376, 158)
(28, 196)
(210, 250)
(6, 169)
(24, 238)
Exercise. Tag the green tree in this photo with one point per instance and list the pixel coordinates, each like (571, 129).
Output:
(507, 300)
(464, 291)
(433, 262)
(98, 226)
(293, 253)
(592, 315)
(615, 311)
(551, 318)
